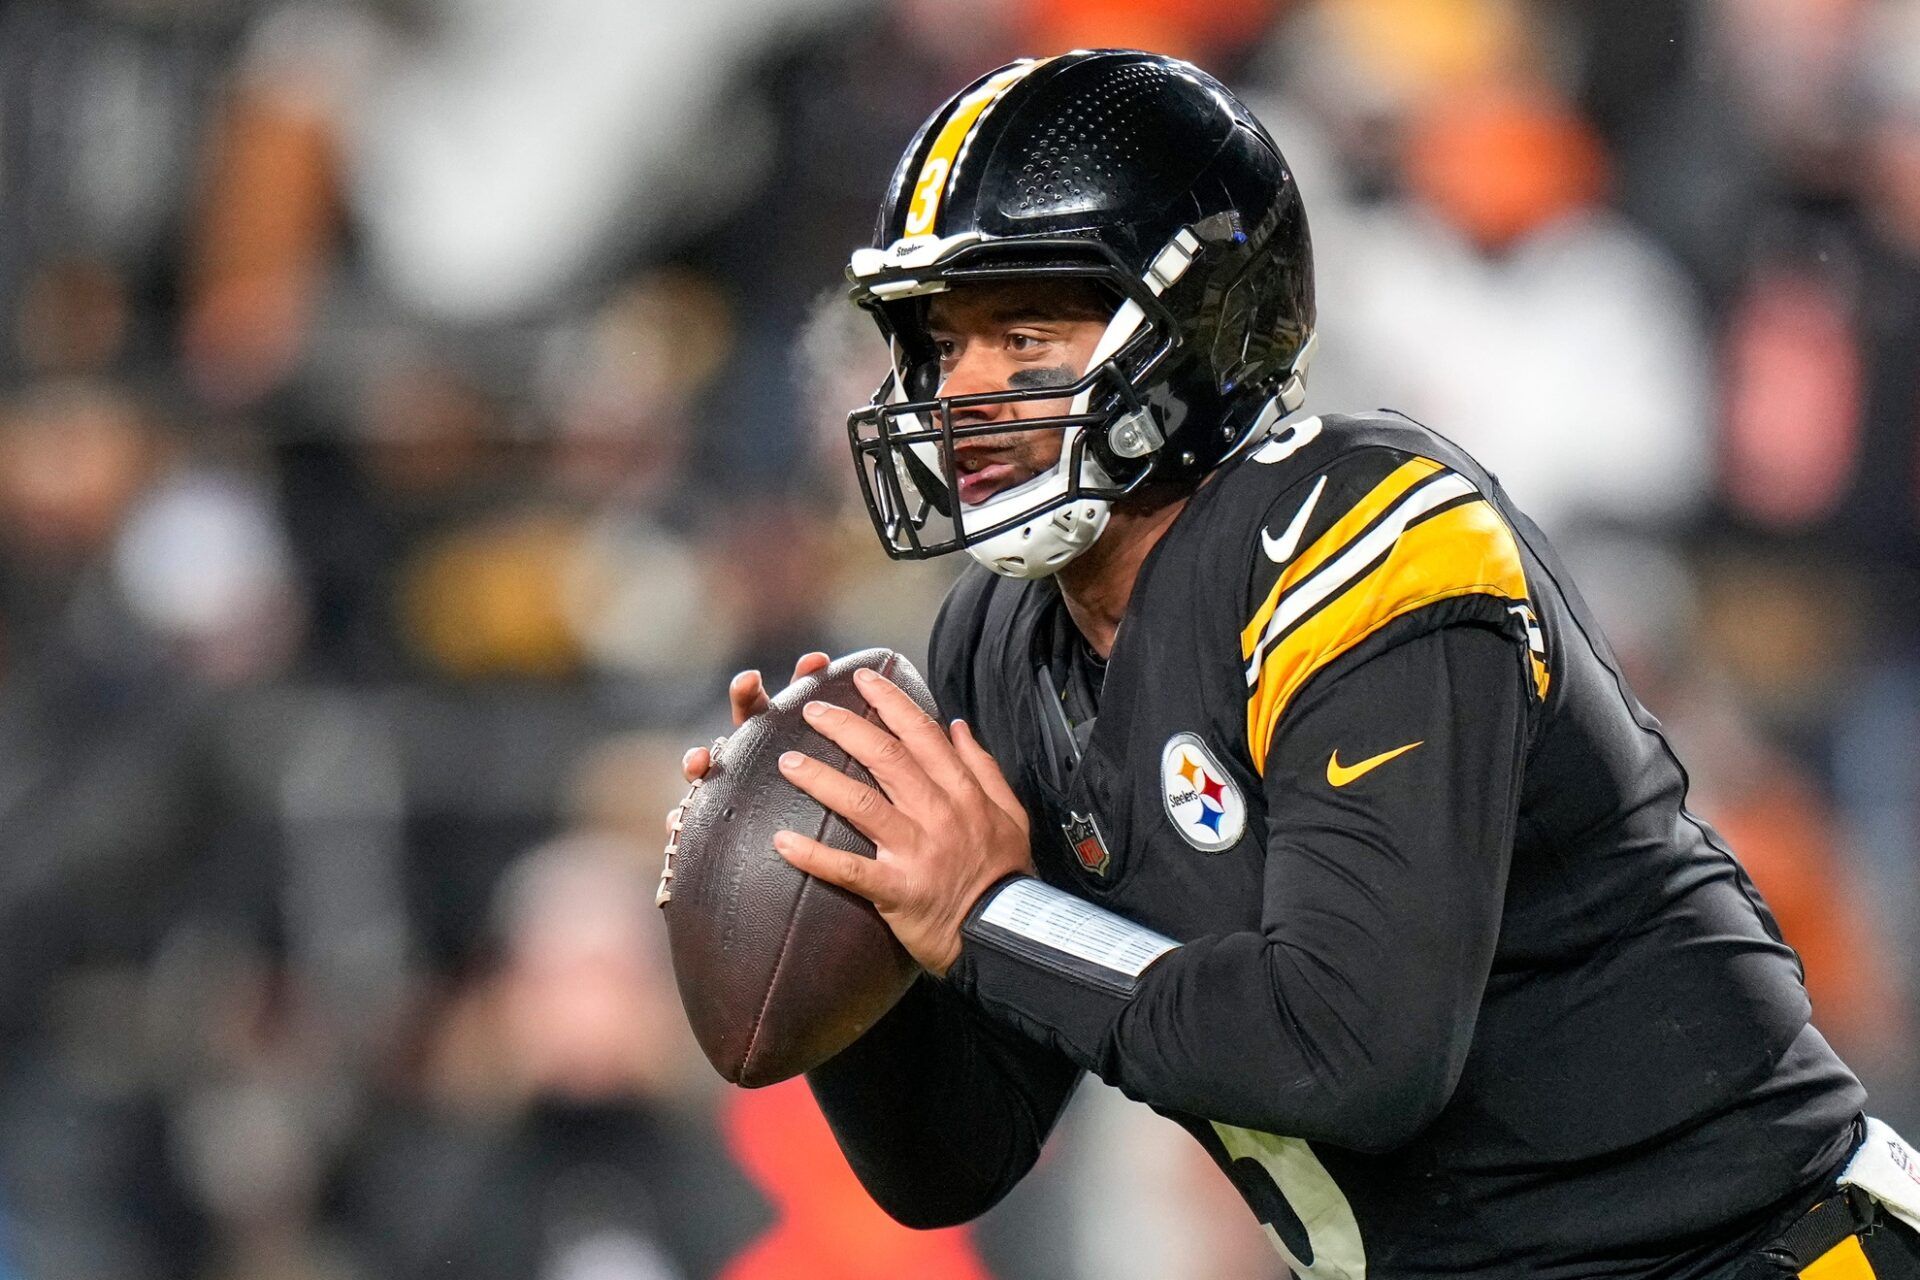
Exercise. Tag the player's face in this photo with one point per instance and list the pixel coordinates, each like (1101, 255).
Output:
(1014, 336)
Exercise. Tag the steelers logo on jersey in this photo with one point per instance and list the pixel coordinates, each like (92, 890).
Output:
(1202, 802)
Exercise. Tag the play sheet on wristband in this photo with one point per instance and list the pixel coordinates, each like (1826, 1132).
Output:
(1053, 918)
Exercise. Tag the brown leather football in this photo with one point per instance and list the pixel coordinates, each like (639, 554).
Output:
(778, 971)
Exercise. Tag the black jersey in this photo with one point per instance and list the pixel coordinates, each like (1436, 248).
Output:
(1424, 947)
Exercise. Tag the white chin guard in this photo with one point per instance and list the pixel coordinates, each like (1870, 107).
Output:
(1040, 547)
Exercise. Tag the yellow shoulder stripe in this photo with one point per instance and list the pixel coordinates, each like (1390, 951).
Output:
(1363, 513)
(1464, 550)
(1845, 1261)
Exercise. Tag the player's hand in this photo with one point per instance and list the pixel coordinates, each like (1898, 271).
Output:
(747, 697)
(944, 822)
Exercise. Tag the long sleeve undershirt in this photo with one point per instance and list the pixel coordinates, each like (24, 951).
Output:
(1345, 1018)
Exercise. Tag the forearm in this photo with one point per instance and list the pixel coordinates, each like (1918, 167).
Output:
(1241, 1029)
(1347, 1015)
(939, 1110)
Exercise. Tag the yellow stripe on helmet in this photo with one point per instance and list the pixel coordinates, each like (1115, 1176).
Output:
(936, 171)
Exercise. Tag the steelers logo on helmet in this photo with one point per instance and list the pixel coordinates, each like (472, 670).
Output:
(1202, 802)
(1138, 175)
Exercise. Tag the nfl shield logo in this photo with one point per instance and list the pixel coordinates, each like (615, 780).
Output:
(1083, 833)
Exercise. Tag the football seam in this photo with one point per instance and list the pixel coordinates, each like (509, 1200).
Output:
(780, 956)
(773, 982)
(793, 920)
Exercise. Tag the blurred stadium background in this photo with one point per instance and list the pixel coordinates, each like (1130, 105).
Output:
(411, 410)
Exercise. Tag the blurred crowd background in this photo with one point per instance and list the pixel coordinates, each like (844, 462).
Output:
(412, 410)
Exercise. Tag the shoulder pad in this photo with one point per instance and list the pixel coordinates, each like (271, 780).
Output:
(1380, 525)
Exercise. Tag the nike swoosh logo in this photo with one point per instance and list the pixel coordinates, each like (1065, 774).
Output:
(1340, 775)
(1281, 549)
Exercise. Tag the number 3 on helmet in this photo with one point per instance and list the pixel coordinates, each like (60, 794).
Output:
(1145, 176)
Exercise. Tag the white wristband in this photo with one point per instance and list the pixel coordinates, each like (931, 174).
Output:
(1056, 921)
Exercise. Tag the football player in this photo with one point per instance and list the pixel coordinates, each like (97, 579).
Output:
(1289, 788)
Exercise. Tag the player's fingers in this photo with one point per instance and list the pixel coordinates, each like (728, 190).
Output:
(694, 764)
(864, 876)
(986, 771)
(885, 756)
(747, 695)
(808, 664)
(870, 813)
(920, 732)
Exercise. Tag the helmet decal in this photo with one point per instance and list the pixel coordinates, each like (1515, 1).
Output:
(949, 145)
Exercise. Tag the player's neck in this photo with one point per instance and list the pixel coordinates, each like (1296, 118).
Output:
(1097, 584)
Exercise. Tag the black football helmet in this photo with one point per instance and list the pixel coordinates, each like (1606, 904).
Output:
(1141, 174)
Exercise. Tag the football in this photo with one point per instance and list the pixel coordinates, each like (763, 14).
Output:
(778, 971)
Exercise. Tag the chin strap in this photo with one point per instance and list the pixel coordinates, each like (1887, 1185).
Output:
(1293, 392)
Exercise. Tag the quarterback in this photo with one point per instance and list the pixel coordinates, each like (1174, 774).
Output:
(1288, 787)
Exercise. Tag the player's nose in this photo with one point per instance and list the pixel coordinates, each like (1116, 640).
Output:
(973, 375)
